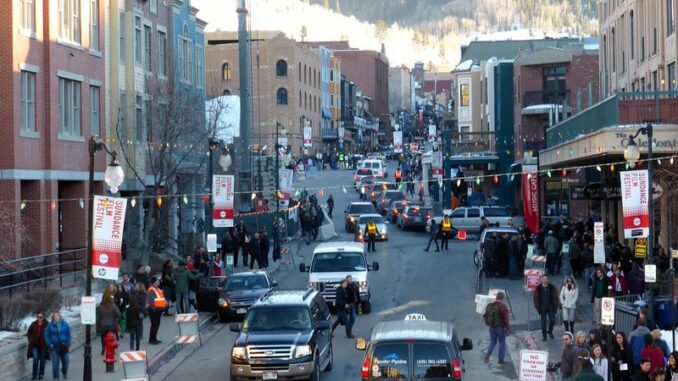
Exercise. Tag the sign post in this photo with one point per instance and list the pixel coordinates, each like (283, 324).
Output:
(607, 311)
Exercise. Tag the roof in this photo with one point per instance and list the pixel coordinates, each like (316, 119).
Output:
(413, 329)
(371, 215)
(298, 296)
(333, 246)
(508, 49)
(551, 55)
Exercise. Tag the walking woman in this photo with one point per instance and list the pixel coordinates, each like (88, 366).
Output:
(58, 340)
(621, 358)
(568, 299)
(599, 362)
(672, 367)
(107, 315)
(37, 348)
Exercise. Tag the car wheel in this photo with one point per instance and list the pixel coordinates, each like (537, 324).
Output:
(330, 363)
(232, 377)
(367, 307)
(315, 376)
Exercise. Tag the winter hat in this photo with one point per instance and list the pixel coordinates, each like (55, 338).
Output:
(568, 333)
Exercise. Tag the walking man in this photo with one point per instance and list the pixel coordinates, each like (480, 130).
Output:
(551, 248)
(371, 233)
(497, 319)
(599, 291)
(546, 303)
(342, 306)
(433, 227)
(568, 360)
(353, 298)
(330, 206)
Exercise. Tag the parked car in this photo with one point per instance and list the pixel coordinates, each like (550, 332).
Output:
(384, 200)
(354, 210)
(414, 216)
(360, 174)
(396, 208)
(470, 218)
(240, 291)
(382, 225)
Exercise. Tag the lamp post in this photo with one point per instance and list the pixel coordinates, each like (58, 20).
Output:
(276, 242)
(113, 176)
(631, 155)
(224, 162)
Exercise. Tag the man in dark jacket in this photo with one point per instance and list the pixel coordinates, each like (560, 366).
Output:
(341, 305)
(600, 284)
(433, 227)
(265, 247)
(568, 360)
(330, 206)
(255, 251)
(181, 286)
(353, 300)
(546, 302)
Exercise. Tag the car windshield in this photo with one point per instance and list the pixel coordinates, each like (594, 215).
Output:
(277, 319)
(361, 209)
(340, 261)
(394, 195)
(365, 219)
(250, 282)
(496, 212)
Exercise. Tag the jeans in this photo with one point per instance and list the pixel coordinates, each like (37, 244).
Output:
(39, 361)
(308, 234)
(352, 316)
(568, 314)
(497, 334)
(57, 358)
(434, 240)
(371, 242)
(588, 275)
(135, 337)
(551, 315)
(182, 302)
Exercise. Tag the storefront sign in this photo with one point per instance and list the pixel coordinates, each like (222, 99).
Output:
(598, 242)
(533, 365)
(397, 141)
(308, 138)
(223, 188)
(635, 200)
(108, 224)
(530, 196)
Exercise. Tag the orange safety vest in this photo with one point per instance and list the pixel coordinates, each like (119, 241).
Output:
(447, 226)
(371, 228)
(159, 302)
(398, 175)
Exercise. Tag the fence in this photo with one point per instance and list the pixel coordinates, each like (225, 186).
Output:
(41, 270)
(626, 312)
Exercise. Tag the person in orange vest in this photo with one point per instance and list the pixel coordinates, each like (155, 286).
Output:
(398, 176)
(156, 304)
(446, 229)
(111, 345)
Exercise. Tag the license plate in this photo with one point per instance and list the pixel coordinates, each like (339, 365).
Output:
(417, 219)
(270, 376)
(241, 310)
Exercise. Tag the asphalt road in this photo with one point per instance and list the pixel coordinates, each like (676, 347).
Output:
(439, 285)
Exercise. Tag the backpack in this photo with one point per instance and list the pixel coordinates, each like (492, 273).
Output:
(492, 315)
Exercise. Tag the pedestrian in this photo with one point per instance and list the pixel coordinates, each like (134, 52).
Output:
(672, 367)
(341, 305)
(515, 255)
(569, 294)
(659, 374)
(568, 362)
(546, 300)
(637, 340)
(330, 206)
(595, 338)
(107, 315)
(141, 276)
(226, 246)
(217, 266)
(398, 176)
(643, 315)
(618, 282)
(167, 281)
(122, 301)
(181, 286)
(575, 255)
(636, 280)
(659, 342)
(621, 358)
(599, 292)
(600, 364)
(255, 251)
(497, 319)
(307, 225)
(580, 341)
(202, 261)
(127, 285)
(433, 231)
(155, 305)
(644, 371)
(589, 266)
(265, 245)
(371, 233)
(37, 347)
(353, 298)
(140, 295)
(552, 249)
(58, 340)
(446, 229)
(652, 352)
(135, 324)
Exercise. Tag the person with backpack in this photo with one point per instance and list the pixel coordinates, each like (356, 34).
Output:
(497, 319)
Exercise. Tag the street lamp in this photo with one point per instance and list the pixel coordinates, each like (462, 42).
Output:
(631, 155)
(113, 176)
(225, 162)
(278, 147)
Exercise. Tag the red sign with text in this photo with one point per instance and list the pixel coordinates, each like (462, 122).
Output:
(108, 223)
(530, 197)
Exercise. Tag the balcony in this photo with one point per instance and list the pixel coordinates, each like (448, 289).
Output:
(330, 134)
(540, 102)
(473, 143)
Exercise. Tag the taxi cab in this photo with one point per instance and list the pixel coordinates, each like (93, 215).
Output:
(413, 349)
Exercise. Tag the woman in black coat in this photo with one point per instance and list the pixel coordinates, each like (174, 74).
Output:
(135, 324)
(621, 358)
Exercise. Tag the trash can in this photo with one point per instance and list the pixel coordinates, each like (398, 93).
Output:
(662, 313)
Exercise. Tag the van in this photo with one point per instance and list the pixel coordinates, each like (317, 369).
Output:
(470, 218)
(377, 166)
(332, 262)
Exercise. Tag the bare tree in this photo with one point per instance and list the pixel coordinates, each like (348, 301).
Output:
(12, 232)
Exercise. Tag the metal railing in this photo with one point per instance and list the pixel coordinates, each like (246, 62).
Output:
(531, 98)
(41, 270)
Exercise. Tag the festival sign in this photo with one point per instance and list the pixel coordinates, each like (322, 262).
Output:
(530, 196)
(397, 141)
(431, 132)
(223, 188)
(308, 137)
(635, 200)
(108, 222)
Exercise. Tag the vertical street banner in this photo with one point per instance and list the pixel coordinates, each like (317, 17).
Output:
(598, 242)
(635, 192)
(530, 197)
(108, 222)
(397, 141)
(223, 188)
(437, 164)
(431, 132)
(341, 132)
(282, 146)
(308, 138)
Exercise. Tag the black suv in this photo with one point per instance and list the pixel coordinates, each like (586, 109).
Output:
(285, 335)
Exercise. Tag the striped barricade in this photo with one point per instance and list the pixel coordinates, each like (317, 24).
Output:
(135, 365)
(189, 328)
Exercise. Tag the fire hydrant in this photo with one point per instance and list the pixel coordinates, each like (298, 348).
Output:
(110, 344)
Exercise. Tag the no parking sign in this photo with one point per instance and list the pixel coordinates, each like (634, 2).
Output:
(607, 311)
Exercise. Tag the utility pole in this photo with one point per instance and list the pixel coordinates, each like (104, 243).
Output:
(245, 98)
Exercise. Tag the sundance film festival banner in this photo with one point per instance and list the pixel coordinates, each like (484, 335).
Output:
(108, 223)
(342, 131)
(397, 141)
(530, 197)
(308, 139)
(223, 187)
(635, 192)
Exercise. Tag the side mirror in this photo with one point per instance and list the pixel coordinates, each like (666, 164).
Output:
(274, 284)
(302, 267)
(360, 343)
(375, 266)
(234, 327)
(466, 345)
(323, 325)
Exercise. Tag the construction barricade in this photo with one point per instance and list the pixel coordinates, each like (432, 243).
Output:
(189, 328)
(135, 366)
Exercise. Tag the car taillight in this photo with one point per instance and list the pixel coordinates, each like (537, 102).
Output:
(428, 217)
(355, 177)
(406, 217)
(456, 365)
(395, 211)
(365, 371)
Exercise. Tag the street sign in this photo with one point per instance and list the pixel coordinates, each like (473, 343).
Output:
(607, 311)
(650, 273)
(533, 365)
(223, 195)
(108, 222)
(88, 310)
(211, 243)
(598, 242)
(532, 279)
(641, 248)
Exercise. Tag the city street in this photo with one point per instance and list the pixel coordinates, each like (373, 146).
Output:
(439, 285)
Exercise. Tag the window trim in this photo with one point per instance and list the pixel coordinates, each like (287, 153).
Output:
(28, 86)
(27, 30)
(92, 109)
(64, 82)
(94, 42)
(281, 73)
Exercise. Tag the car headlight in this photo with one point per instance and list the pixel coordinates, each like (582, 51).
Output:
(238, 353)
(313, 285)
(302, 351)
(222, 302)
(362, 286)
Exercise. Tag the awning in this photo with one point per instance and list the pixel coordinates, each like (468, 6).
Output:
(326, 113)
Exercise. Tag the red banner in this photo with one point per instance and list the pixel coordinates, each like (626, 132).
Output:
(530, 197)
(108, 225)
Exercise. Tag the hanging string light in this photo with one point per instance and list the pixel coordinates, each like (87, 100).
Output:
(52, 205)
(564, 172)
(82, 204)
(478, 180)
(495, 179)
(322, 191)
(206, 197)
(133, 202)
(458, 182)
(671, 161)
(23, 205)
(548, 173)
(343, 189)
(513, 177)
(598, 168)
(185, 199)
(158, 201)
(529, 176)
(254, 195)
(612, 167)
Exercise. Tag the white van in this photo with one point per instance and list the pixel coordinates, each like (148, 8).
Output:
(332, 262)
(377, 166)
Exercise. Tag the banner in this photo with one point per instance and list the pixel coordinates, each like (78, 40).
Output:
(431, 132)
(342, 131)
(308, 139)
(223, 190)
(530, 197)
(108, 222)
(598, 242)
(635, 193)
(437, 164)
(282, 146)
(286, 177)
(397, 141)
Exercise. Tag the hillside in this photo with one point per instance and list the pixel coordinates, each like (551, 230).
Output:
(430, 31)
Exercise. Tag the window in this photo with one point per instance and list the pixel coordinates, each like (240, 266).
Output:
(154, 6)
(642, 49)
(670, 18)
(281, 96)
(633, 48)
(614, 51)
(28, 15)
(226, 71)
(655, 80)
(473, 213)
(199, 71)
(68, 16)
(461, 213)
(671, 74)
(94, 25)
(314, 77)
(304, 74)
(148, 116)
(27, 99)
(654, 41)
(148, 33)
(139, 118)
(281, 68)
(391, 361)
(299, 98)
(122, 117)
(94, 112)
(185, 56)
(431, 361)
(162, 54)
(299, 71)
(464, 90)
(138, 43)
(123, 33)
(331, 75)
(69, 107)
